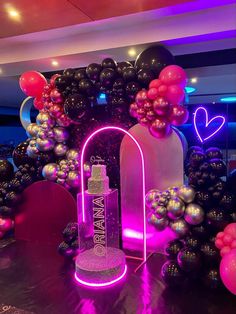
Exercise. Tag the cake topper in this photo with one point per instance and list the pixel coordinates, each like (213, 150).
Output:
(96, 160)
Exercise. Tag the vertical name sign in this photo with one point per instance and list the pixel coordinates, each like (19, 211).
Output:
(99, 225)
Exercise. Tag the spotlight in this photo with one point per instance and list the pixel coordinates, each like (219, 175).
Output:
(228, 99)
(190, 89)
(132, 52)
(193, 80)
(55, 63)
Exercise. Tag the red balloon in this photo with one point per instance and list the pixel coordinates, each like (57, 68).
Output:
(152, 93)
(179, 115)
(56, 96)
(52, 80)
(160, 128)
(155, 83)
(6, 224)
(38, 103)
(161, 106)
(175, 94)
(151, 115)
(56, 111)
(162, 90)
(32, 83)
(141, 97)
(141, 113)
(147, 105)
(133, 110)
(144, 121)
(173, 75)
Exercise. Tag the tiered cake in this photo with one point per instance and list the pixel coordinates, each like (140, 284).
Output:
(98, 183)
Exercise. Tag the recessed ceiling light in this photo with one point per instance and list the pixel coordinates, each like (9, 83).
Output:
(1, 71)
(193, 80)
(132, 52)
(190, 89)
(12, 12)
(55, 63)
(228, 99)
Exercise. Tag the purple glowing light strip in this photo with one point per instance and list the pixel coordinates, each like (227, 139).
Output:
(101, 284)
(109, 128)
(207, 123)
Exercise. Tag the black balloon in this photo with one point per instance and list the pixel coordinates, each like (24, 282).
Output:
(131, 89)
(228, 201)
(107, 77)
(129, 74)
(210, 253)
(217, 219)
(1, 201)
(26, 180)
(145, 76)
(80, 74)
(12, 198)
(86, 87)
(200, 232)
(213, 152)
(212, 279)
(20, 156)
(15, 185)
(203, 198)
(6, 170)
(6, 211)
(62, 82)
(196, 158)
(122, 65)
(109, 63)
(69, 73)
(192, 242)
(193, 149)
(218, 167)
(93, 71)
(189, 260)
(3, 192)
(172, 274)
(231, 182)
(77, 107)
(173, 248)
(154, 58)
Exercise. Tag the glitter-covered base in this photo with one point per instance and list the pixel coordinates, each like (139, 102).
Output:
(96, 271)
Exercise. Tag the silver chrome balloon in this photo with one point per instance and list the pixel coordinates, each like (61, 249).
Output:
(186, 193)
(60, 134)
(50, 171)
(180, 227)
(44, 145)
(61, 174)
(72, 154)
(73, 179)
(60, 149)
(173, 191)
(160, 211)
(151, 196)
(32, 130)
(175, 208)
(159, 223)
(194, 214)
(32, 151)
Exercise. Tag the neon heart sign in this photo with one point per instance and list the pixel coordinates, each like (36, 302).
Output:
(197, 120)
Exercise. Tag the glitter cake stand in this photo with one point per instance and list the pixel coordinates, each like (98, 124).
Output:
(96, 271)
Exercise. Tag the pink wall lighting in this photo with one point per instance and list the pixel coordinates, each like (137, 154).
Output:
(114, 128)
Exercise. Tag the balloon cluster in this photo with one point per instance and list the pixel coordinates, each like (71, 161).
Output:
(205, 170)
(69, 247)
(11, 186)
(192, 259)
(159, 107)
(226, 240)
(46, 136)
(175, 208)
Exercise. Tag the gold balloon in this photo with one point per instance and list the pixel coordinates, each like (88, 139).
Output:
(44, 145)
(151, 196)
(50, 171)
(186, 193)
(60, 149)
(72, 154)
(44, 118)
(194, 214)
(32, 130)
(73, 179)
(159, 223)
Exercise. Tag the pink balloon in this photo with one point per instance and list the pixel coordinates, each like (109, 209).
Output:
(133, 110)
(155, 83)
(219, 244)
(228, 271)
(160, 128)
(52, 80)
(233, 244)
(227, 239)
(6, 224)
(56, 96)
(161, 106)
(144, 121)
(32, 83)
(175, 94)
(147, 105)
(55, 110)
(141, 97)
(141, 113)
(1, 234)
(225, 250)
(231, 229)
(220, 235)
(152, 93)
(173, 75)
(38, 103)
(179, 115)
(151, 115)
(162, 90)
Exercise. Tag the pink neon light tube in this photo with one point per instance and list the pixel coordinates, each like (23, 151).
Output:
(110, 128)
(102, 284)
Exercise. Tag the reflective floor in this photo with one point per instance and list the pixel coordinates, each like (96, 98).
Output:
(34, 278)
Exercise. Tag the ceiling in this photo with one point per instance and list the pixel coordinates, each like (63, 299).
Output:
(77, 32)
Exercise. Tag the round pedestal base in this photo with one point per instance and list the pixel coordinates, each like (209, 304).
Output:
(97, 271)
